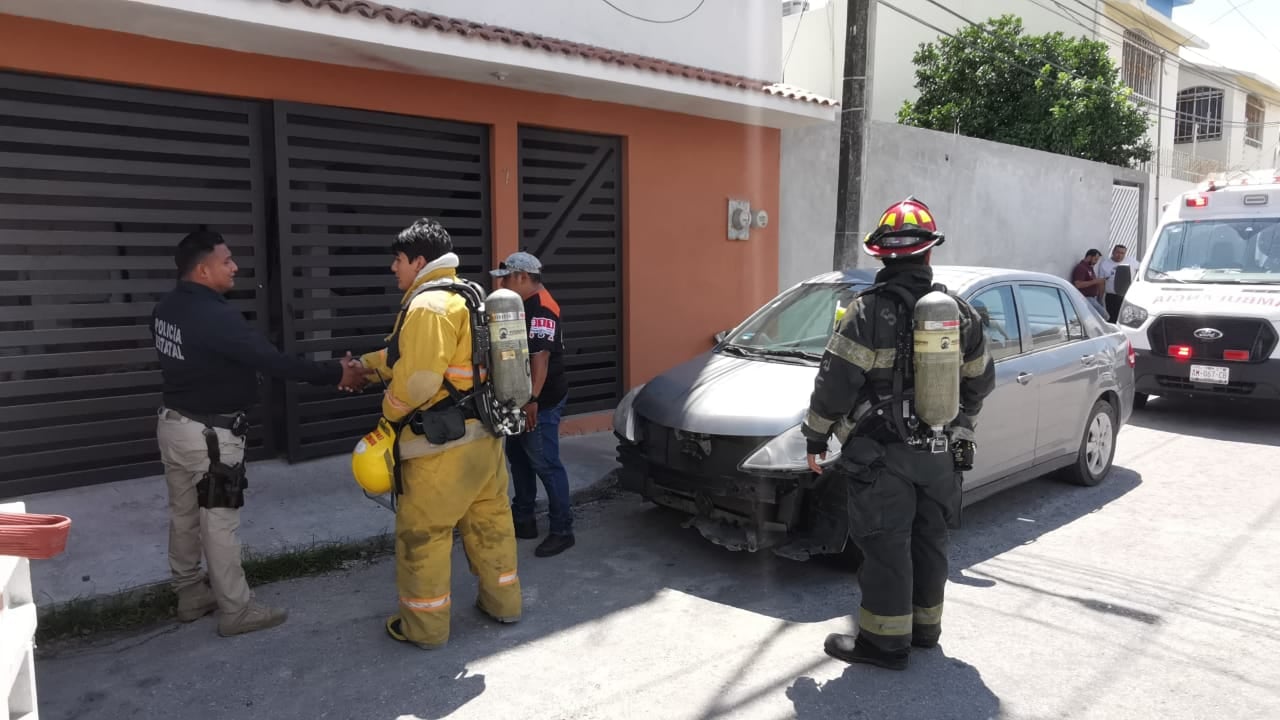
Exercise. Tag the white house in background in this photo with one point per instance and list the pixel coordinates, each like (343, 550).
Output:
(1228, 117)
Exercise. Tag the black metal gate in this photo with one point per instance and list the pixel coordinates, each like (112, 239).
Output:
(571, 218)
(348, 181)
(97, 185)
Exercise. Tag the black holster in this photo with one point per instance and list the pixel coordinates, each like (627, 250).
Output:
(222, 485)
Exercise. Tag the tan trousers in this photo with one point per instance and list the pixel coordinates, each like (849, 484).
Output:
(192, 529)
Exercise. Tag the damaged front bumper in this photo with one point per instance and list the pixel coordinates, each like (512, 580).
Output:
(738, 510)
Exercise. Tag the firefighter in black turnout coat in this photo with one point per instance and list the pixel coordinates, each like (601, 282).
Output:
(903, 480)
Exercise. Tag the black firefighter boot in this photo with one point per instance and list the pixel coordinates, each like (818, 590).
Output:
(854, 649)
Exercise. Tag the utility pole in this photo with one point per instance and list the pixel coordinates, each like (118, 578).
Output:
(859, 49)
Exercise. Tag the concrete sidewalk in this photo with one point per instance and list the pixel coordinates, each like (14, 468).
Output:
(120, 531)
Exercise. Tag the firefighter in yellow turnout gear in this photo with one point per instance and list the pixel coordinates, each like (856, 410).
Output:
(452, 469)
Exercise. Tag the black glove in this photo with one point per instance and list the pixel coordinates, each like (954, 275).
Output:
(962, 453)
(815, 447)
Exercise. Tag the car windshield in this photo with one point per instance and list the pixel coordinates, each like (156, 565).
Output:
(1218, 251)
(796, 324)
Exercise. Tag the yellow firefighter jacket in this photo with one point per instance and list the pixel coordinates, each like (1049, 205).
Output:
(434, 343)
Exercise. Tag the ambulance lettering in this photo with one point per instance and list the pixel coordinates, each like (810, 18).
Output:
(1201, 298)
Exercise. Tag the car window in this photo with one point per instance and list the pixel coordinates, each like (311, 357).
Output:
(1042, 307)
(1075, 326)
(800, 320)
(999, 321)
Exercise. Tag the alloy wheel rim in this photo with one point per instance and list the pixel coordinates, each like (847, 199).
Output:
(1098, 447)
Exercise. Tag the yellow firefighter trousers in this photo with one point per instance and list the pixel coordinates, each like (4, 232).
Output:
(464, 487)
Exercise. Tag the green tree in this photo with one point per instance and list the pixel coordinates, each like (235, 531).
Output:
(1048, 92)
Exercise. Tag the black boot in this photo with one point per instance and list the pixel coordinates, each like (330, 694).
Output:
(554, 545)
(857, 650)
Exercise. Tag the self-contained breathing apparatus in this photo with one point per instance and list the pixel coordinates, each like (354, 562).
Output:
(501, 385)
(923, 398)
(222, 485)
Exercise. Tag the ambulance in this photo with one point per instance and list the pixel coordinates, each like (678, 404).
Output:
(1203, 312)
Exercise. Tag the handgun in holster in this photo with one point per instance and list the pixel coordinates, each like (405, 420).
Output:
(222, 485)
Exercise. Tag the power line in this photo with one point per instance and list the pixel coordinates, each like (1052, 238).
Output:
(1236, 8)
(1202, 69)
(804, 11)
(686, 16)
(1081, 20)
(1177, 114)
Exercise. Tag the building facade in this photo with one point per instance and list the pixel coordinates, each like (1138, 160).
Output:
(1228, 118)
(309, 132)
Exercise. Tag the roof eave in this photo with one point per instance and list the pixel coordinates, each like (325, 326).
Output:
(296, 31)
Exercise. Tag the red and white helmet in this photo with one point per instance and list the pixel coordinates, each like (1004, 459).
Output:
(905, 229)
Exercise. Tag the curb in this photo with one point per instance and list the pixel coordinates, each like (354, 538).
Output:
(158, 596)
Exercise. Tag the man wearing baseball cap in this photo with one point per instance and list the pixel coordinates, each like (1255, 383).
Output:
(536, 453)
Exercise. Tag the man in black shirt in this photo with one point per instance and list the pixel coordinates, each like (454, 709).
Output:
(537, 451)
(210, 358)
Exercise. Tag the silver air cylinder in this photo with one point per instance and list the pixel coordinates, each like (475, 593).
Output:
(508, 348)
(937, 359)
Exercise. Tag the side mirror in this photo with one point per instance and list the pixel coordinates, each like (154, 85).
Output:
(720, 336)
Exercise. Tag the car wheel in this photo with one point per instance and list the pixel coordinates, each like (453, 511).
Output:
(1097, 447)
(1139, 400)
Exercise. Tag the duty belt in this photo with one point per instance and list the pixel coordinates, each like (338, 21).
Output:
(237, 423)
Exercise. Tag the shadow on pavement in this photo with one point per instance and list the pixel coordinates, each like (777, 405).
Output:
(955, 691)
(1022, 514)
(628, 556)
(1212, 419)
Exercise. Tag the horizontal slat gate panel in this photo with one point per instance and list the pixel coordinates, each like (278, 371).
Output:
(98, 183)
(571, 218)
(348, 181)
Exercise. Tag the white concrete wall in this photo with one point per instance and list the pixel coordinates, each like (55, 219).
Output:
(998, 204)
(732, 36)
(810, 166)
(816, 62)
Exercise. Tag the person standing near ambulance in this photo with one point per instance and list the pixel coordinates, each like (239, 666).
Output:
(451, 472)
(876, 387)
(536, 452)
(210, 358)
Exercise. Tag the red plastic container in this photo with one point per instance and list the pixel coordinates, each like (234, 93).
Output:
(32, 535)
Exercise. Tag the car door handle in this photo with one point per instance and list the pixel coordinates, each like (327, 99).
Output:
(1025, 377)
(1088, 359)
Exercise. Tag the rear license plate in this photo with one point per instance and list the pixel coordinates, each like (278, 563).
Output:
(1210, 374)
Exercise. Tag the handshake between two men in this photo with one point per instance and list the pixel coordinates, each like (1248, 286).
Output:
(354, 374)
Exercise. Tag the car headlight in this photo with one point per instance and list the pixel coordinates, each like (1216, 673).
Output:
(624, 418)
(788, 451)
(1131, 315)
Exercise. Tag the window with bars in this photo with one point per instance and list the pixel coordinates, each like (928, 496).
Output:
(1254, 115)
(1199, 115)
(1140, 66)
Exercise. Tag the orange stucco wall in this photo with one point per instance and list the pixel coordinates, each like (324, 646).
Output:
(683, 280)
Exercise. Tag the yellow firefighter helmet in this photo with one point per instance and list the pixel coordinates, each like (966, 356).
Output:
(373, 463)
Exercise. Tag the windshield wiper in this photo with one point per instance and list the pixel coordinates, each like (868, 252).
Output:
(1163, 276)
(741, 350)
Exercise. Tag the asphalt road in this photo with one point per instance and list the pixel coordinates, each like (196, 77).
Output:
(1153, 595)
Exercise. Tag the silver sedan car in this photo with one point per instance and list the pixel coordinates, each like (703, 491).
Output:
(718, 437)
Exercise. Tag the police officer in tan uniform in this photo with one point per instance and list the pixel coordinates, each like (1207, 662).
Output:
(210, 358)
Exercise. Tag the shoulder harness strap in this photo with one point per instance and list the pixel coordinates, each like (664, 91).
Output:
(901, 361)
